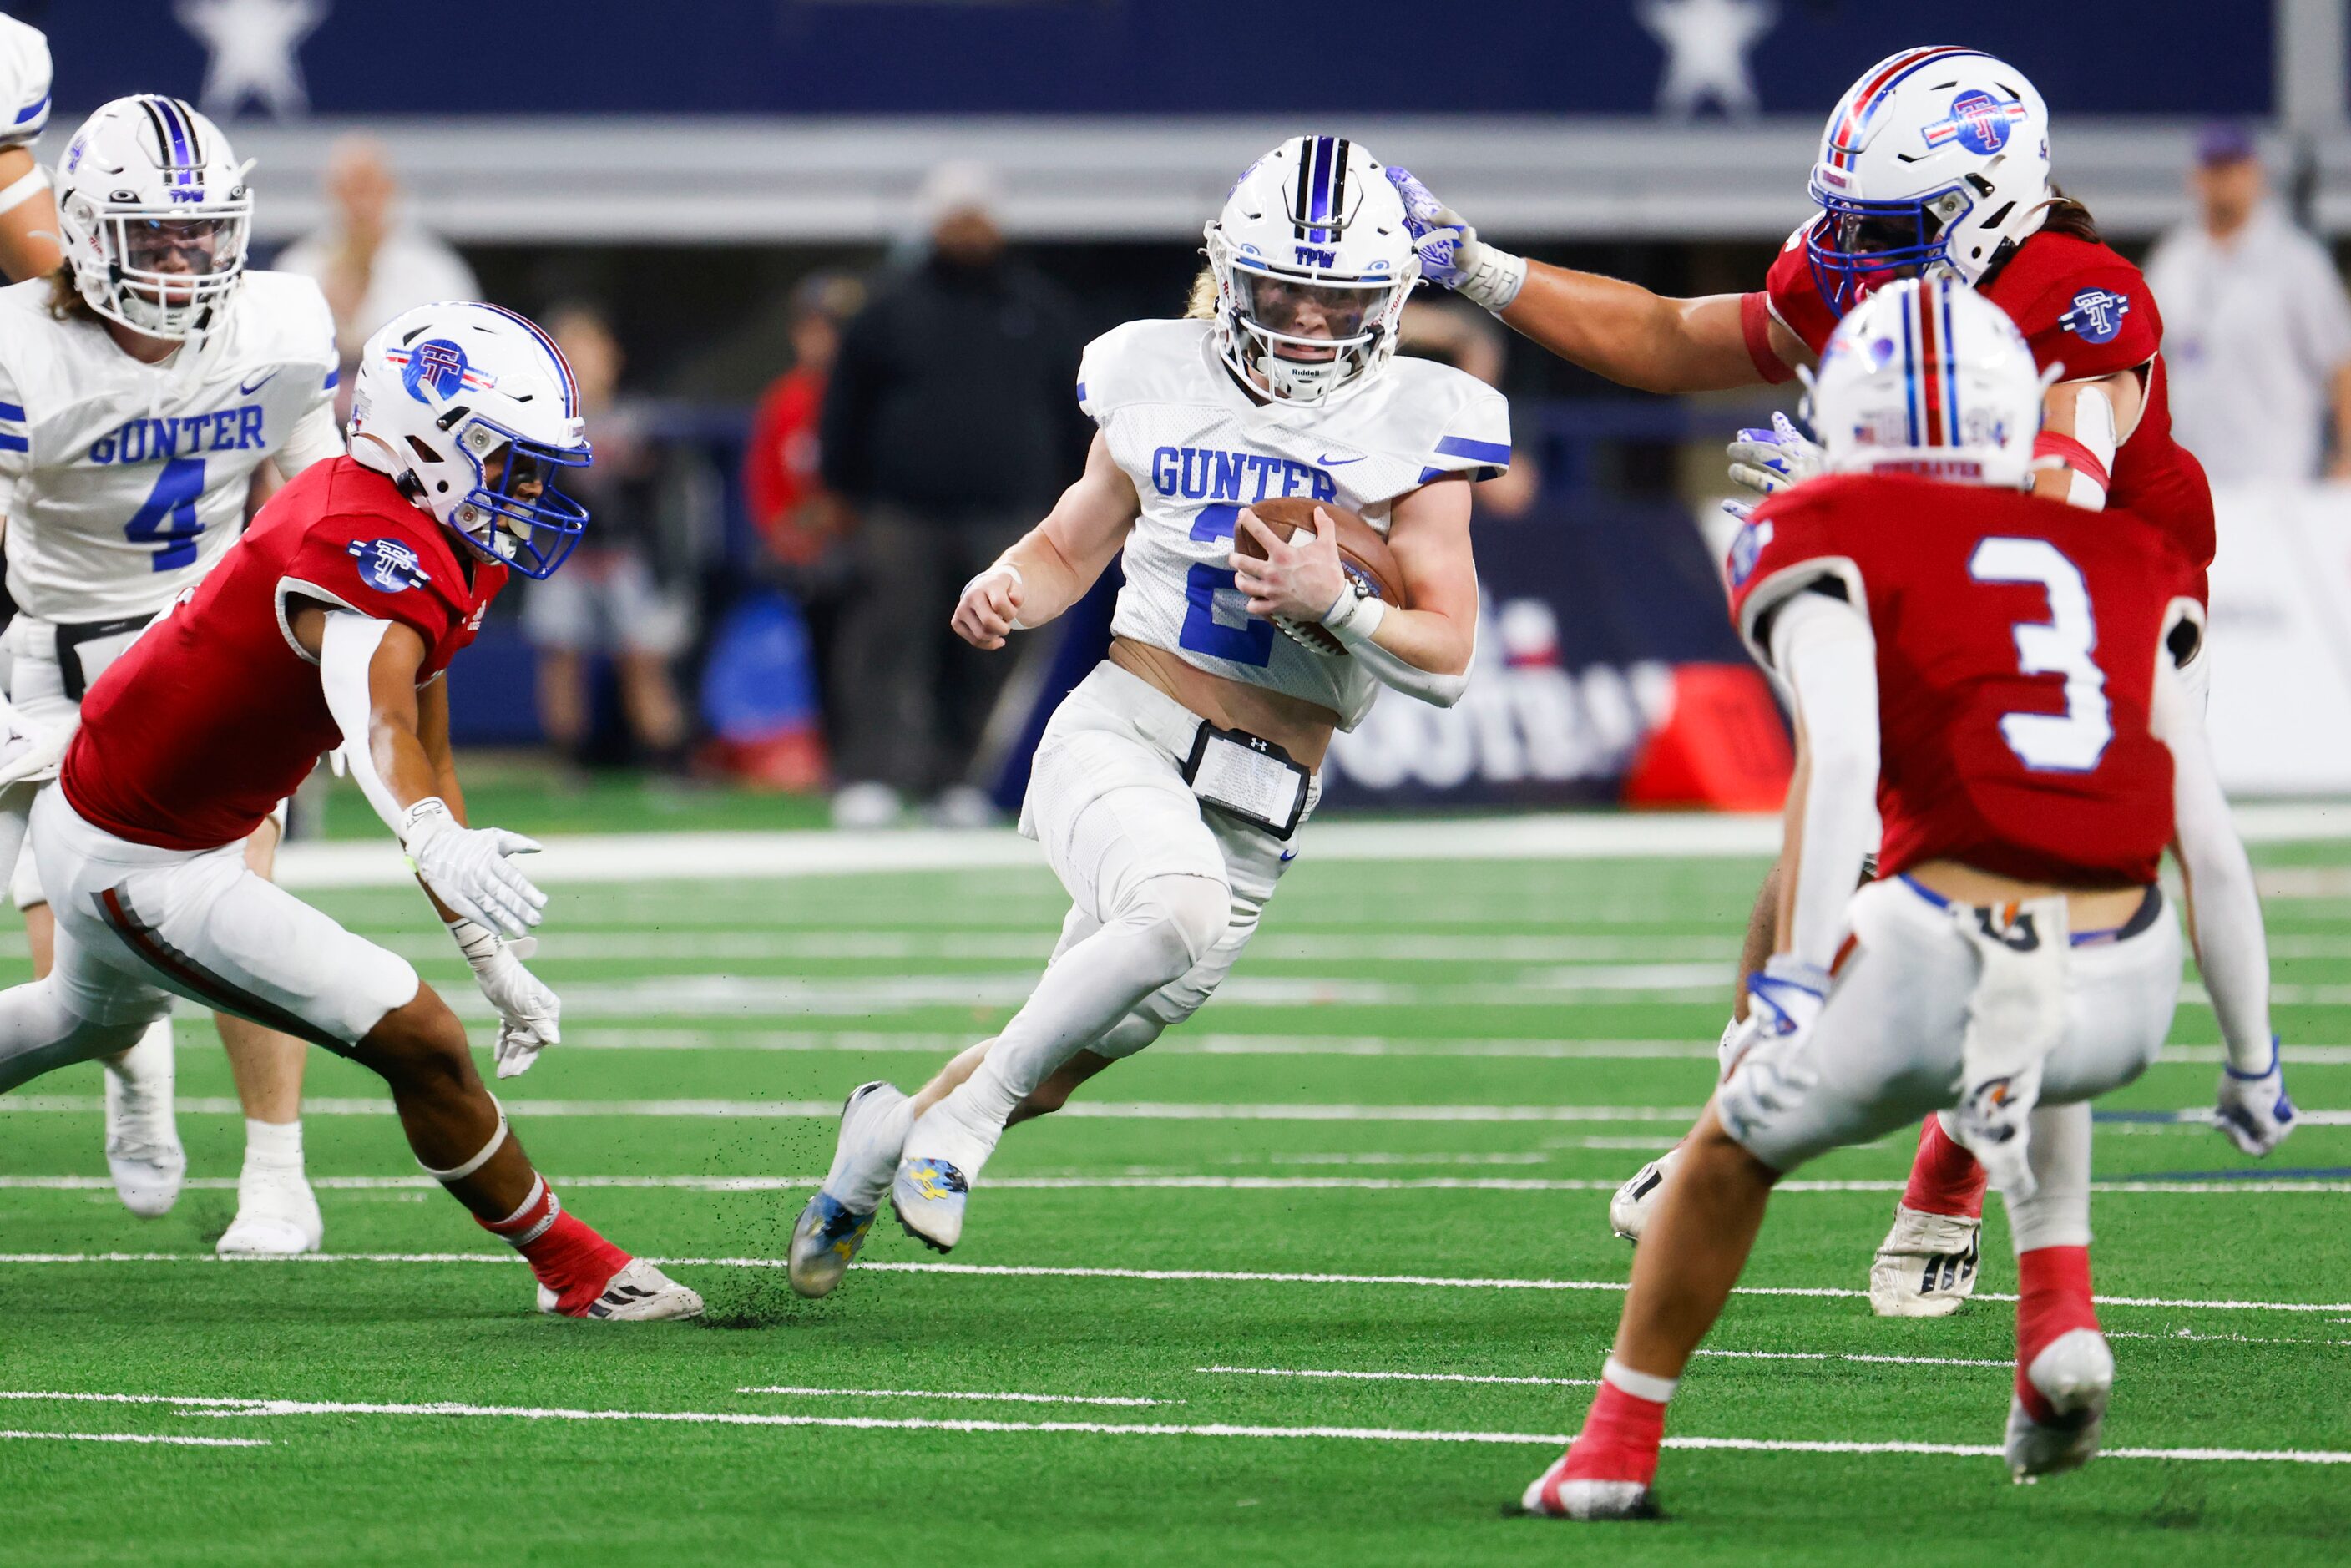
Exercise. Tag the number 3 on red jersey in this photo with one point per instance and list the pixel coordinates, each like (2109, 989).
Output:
(2073, 741)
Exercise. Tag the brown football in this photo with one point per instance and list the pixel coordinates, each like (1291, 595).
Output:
(1363, 553)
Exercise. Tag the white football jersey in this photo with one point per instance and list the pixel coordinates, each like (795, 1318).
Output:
(1199, 449)
(125, 481)
(24, 82)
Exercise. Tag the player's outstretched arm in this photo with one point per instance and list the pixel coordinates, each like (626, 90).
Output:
(1054, 563)
(2224, 920)
(1621, 330)
(2082, 423)
(28, 218)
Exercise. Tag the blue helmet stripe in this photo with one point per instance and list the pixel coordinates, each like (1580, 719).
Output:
(182, 155)
(1910, 374)
(1943, 288)
(1318, 188)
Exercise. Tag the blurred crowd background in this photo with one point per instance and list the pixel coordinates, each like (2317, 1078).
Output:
(816, 412)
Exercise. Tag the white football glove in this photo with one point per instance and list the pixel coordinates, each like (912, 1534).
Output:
(468, 869)
(29, 751)
(1769, 460)
(2253, 1111)
(1451, 253)
(528, 1010)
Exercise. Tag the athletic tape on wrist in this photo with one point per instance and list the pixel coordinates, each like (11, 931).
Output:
(1495, 281)
(429, 807)
(23, 190)
(460, 1173)
(1355, 617)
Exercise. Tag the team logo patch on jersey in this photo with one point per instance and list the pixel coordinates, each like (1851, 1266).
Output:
(389, 565)
(1746, 549)
(2096, 315)
(1979, 122)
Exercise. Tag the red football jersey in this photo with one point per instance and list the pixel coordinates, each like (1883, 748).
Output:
(2081, 306)
(194, 736)
(2017, 640)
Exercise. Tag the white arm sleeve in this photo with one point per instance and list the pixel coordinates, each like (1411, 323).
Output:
(314, 439)
(1413, 681)
(1825, 652)
(2224, 912)
(345, 652)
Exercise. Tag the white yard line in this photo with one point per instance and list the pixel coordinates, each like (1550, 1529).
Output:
(1825, 1356)
(936, 1394)
(1400, 1377)
(441, 1409)
(1182, 1276)
(173, 1442)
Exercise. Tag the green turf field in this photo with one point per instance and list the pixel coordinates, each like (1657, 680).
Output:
(1386, 1151)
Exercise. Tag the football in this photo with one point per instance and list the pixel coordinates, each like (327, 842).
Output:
(1364, 554)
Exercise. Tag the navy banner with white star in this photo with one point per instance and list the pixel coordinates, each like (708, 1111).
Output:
(1673, 58)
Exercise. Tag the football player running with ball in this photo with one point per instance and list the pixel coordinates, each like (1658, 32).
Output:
(2001, 673)
(331, 623)
(149, 387)
(1170, 786)
(1935, 163)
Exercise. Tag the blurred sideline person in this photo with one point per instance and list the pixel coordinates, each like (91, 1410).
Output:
(1935, 162)
(804, 525)
(372, 260)
(1170, 786)
(2258, 327)
(610, 601)
(28, 213)
(330, 625)
(1998, 675)
(946, 427)
(148, 387)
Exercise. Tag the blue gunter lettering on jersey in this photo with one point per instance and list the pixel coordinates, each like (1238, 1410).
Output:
(1206, 474)
(237, 429)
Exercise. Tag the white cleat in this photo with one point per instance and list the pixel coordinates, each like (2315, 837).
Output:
(2075, 1373)
(142, 1136)
(276, 1216)
(1554, 1496)
(1926, 1267)
(833, 1226)
(1637, 1199)
(639, 1294)
(929, 1195)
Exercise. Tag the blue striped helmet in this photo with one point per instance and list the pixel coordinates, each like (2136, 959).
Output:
(1312, 265)
(1928, 377)
(155, 214)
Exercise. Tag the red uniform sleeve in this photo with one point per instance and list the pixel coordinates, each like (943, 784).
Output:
(2080, 305)
(1793, 539)
(379, 570)
(1793, 296)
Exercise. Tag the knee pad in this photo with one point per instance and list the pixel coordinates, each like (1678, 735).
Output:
(1190, 912)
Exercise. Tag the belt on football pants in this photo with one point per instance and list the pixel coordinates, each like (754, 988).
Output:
(72, 635)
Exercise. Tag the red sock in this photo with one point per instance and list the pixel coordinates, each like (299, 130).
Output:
(1944, 1178)
(563, 1250)
(1621, 1435)
(2052, 1299)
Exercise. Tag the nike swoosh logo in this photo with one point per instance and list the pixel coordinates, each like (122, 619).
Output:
(255, 385)
(1330, 462)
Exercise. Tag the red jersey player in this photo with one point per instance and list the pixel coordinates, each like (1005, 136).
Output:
(331, 624)
(1935, 162)
(2004, 671)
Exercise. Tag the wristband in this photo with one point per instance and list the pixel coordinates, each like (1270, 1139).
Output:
(1496, 281)
(23, 190)
(1353, 617)
(1018, 582)
(477, 942)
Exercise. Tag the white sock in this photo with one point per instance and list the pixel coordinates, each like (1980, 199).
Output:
(1639, 1385)
(1173, 922)
(860, 1180)
(273, 1145)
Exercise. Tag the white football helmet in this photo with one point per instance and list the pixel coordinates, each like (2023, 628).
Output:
(24, 82)
(154, 214)
(1937, 160)
(1312, 264)
(472, 411)
(1928, 377)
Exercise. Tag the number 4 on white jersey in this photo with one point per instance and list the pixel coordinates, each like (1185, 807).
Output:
(2073, 741)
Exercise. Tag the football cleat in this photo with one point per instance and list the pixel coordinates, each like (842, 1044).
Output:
(928, 1195)
(639, 1294)
(1926, 1266)
(1637, 1199)
(142, 1136)
(2075, 1375)
(1555, 1495)
(825, 1241)
(276, 1216)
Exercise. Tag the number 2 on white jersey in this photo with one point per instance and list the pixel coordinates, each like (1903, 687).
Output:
(2073, 741)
